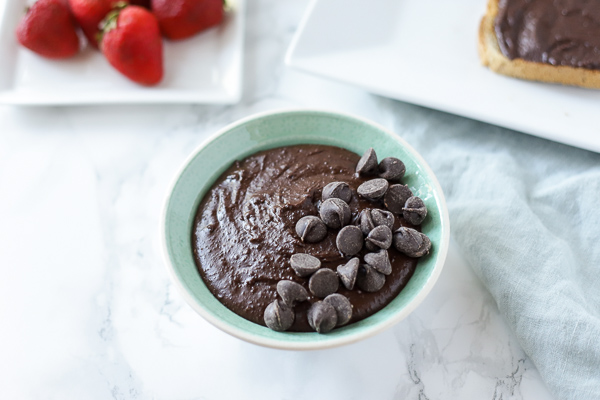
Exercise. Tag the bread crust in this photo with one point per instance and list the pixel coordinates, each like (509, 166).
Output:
(492, 57)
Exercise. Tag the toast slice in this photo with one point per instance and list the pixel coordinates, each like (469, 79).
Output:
(492, 57)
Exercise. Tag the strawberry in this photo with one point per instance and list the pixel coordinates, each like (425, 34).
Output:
(48, 30)
(132, 44)
(180, 19)
(89, 14)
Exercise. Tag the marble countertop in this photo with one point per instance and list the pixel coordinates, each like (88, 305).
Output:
(87, 310)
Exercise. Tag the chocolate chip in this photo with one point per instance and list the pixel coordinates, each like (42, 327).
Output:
(414, 210)
(342, 307)
(367, 165)
(391, 168)
(396, 197)
(291, 292)
(339, 190)
(349, 240)
(347, 272)
(304, 264)
(323, 282)
(379, 237)
(368, 279)
(373, 189)
(424, 248)
(371, 218)
(407, 240)
(382, 217)
(411, 242)
(366, 221)
(335, 213)
(379, 260)
(322, 317)
(278, 316)
(311, 229)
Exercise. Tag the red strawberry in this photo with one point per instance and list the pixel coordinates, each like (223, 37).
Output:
(89, 14)
(132, 44)
(48, 30)
(180, 19)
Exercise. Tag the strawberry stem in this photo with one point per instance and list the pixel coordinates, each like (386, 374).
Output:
(110, 21)
(119, 5)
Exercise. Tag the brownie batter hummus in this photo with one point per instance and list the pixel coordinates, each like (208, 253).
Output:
(245, 231)
(556, 32)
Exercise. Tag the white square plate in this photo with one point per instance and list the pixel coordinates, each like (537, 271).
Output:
(206, 68)
(425, 52)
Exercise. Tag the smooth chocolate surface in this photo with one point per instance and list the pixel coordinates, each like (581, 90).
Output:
(244, 232)
(556, 32)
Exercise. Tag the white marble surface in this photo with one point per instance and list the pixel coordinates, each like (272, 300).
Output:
(87, 310)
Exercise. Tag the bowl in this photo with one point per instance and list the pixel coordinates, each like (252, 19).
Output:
(283, 128)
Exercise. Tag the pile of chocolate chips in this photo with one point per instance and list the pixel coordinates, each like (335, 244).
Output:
(372, 230)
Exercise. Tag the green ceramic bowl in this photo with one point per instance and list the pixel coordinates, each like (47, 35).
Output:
(283, 128)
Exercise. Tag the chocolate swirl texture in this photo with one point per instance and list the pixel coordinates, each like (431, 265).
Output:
(244, 231)
(555, 32)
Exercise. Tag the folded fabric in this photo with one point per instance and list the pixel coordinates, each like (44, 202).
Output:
(526, 214)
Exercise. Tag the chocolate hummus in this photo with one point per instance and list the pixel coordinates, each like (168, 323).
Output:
(244, 232)
(556, 32)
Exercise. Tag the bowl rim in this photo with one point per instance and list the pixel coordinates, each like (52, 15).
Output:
(316, 345)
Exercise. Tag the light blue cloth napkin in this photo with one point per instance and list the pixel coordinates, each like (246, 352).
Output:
(526, 214)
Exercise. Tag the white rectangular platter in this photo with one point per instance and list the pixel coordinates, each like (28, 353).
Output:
(425, 52)
(206, 68)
